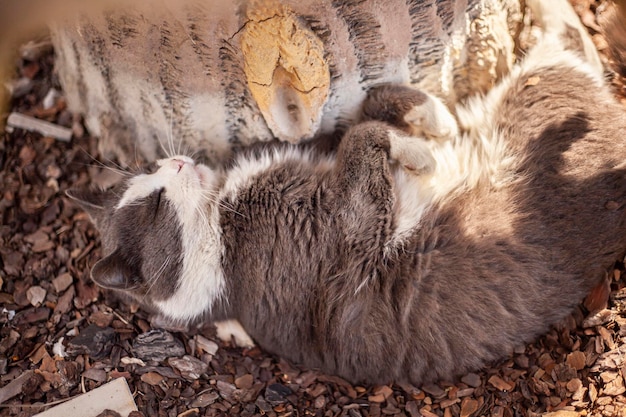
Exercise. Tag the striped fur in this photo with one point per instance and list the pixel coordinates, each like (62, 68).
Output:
(175, 69)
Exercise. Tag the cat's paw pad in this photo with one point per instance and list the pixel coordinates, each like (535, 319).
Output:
(432, 119)
(412, 153)
(231, 330)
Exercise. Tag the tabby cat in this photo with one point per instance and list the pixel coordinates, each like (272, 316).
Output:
(415, 253)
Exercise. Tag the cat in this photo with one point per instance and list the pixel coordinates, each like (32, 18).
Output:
(400, 258)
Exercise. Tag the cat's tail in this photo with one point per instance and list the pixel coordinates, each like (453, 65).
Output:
(613, 23)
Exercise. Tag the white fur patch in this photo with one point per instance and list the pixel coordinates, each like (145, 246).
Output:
(246, 169)
(192, 190)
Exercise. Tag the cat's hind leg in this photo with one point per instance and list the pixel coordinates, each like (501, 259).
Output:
(561, 25)
(229, 330)
(413, 111)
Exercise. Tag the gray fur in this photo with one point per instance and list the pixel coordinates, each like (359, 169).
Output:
(313, 273)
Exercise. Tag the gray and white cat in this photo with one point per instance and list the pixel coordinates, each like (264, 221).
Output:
(424, 269)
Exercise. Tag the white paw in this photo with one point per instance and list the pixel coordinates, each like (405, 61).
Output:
(413, 153)
(433, 120)
(229, 330)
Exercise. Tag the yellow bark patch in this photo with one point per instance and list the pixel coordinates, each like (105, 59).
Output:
(285, 70)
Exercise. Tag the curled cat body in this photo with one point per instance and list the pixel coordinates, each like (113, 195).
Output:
(418, 251)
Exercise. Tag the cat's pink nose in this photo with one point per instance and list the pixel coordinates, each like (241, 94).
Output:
(181, 161)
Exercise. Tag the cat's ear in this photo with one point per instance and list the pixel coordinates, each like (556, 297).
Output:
(113, 272)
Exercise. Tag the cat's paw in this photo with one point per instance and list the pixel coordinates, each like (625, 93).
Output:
(229, 330)
(413, 111)
(432, 120)
(412, 153)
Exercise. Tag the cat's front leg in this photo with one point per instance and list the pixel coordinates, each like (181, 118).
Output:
(367, 148)
(414, 111)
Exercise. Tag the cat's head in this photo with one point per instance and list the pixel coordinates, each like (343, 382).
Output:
(160, 238)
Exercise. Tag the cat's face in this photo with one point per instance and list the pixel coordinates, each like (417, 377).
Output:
(160, 238)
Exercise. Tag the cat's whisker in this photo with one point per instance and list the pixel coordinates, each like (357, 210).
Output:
(170, 136)
(211, 197)
(114, 167)
(99, 164)
(157, 276)
(162, 146)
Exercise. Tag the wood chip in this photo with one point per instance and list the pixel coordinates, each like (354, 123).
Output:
(427, 413)
(599, 318)
(204, 399)
(189, 367)
(379, 398)
(21, 121)
(157, 345)
(36, 295)
(576, 360)
(206, 345)
(593, 393)
(62, 282)
(500, 384)
(14, 387)
(98, 375)
(244, 382)
(468, 407)
(152, 378)
(383, 390)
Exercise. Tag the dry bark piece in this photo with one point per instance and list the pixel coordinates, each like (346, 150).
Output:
(14, 387)
(36, 295)
(94, 340)
(101, 318)
(204, 399)
(32, 315)
(599, 318)
(13, 262)
(245, 381)
(576, 360)
(206, 345)
(189, 367)
(613, 359)
(98, 375)
(62, 282)
(277, 394)
(157, 345)
(614, 383)
(64, 303)
(152, 378)
(468, 407)
(501, 384)
(227, 391)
